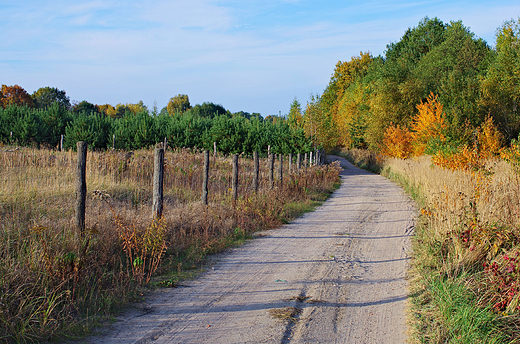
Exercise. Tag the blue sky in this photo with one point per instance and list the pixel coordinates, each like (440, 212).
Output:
(254, 56)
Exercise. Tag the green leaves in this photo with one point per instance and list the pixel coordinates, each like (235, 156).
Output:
(501, 85)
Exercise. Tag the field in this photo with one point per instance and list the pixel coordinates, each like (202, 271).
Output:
(465, 275)
(57, 283)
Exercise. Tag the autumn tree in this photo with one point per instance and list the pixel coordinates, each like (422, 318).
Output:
(490, 139)
(107, 109)
(397, 142)
(14, 95)
(135, 108)
(346, 74)
(178, 104)
(428, 125)
(46, 96)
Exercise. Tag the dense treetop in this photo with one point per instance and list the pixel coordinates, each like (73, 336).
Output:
(471, 80)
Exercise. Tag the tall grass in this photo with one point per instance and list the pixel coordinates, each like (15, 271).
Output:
(55, 284)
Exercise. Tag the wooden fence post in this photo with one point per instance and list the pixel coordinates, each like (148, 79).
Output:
(235, 177)
(205, 177)
(271, 171)
(165, 144)
(310, 159)
(81, 187)
(290, 162)
(114, 141)
(158, 177)
(61, 143)
(280, 170)
(305, 161)
(299, 161)
(214, 148)
(256, 171)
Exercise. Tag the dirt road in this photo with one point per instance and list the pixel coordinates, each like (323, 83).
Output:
(338, 274)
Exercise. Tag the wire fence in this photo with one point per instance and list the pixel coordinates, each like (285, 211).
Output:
(39, 178)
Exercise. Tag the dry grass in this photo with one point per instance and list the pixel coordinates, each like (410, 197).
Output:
(286, 313)
(54, 283)
(475, 212)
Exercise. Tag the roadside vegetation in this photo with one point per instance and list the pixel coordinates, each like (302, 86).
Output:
(56, 284)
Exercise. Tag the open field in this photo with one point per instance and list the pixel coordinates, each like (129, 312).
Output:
(57, 283)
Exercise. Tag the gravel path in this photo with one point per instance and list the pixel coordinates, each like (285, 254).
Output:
(336, 275)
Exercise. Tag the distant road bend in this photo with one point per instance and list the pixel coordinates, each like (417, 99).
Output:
(336, 275)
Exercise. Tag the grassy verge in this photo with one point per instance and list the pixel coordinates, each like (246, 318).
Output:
(464, 272)
(59, 284)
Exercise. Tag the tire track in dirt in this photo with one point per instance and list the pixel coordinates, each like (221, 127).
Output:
(342, 268)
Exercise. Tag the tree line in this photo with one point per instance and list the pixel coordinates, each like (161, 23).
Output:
(41, 119)
(471, 80)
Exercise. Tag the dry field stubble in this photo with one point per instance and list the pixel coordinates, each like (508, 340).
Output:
(53, 281)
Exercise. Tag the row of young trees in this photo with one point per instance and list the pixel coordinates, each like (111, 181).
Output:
(472, 81)
(47, 114)
(234, 133)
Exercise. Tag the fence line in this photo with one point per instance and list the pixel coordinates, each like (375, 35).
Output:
(214, 179)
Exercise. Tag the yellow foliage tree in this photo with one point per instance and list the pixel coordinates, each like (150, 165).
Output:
(350, 115)
(107, 109)
(347, 94)
(397, 142)
(488, 143)
(428, 124)
(489, 139)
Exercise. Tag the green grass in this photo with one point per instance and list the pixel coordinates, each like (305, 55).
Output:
(446, 311)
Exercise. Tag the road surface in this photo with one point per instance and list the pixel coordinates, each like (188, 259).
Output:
(336, 275)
